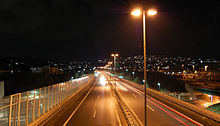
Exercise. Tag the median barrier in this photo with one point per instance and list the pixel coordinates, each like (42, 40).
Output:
(202, 111)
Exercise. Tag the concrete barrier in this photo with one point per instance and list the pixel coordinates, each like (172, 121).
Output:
(203, 112)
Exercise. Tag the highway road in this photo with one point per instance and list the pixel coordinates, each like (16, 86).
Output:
(158, 113)
(96, 106)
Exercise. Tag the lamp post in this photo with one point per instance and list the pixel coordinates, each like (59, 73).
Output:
(193, 68)
(114, 56)
(110, 65)
(206, 68)
(158, 85)
(150, 12)
(211, 99)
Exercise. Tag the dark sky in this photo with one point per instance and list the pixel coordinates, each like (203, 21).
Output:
(91, 29)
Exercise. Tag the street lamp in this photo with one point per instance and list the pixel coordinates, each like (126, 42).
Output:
(206, 68)
(158, 85)
(110, 65)
(136, 12)
(211, 99)
(150, 12)
(114, 56)
(193, 68)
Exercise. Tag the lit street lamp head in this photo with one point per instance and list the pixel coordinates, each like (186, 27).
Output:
(114, 55)
(152, 12)
(136, 12)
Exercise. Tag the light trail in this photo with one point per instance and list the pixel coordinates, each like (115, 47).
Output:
(180, 114)
(168, 113)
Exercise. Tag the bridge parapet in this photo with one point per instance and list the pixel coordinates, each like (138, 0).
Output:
(24, 108)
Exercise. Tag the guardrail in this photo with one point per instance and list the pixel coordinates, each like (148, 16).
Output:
(204, 112)
(24, 108)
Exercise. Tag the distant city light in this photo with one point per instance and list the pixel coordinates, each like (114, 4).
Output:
(34, 92)
(120, 76)
(96, 74)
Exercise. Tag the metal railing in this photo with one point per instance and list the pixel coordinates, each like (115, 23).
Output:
(24, 108)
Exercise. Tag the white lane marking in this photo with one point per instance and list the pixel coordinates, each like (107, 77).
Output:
(168, 106)
(119, 121)
(132, 111)
(121, 87)
(150, 108)
(94, 114)
(134, 95)
(128, 86)
(186, 117)
(79, 105)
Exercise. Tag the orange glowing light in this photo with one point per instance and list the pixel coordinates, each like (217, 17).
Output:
(136, 12)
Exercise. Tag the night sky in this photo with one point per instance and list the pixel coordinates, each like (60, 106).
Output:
(91, 29)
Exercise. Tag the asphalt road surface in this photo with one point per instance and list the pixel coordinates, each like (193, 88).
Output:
(98, 109)
(96, 106)
(158, 113)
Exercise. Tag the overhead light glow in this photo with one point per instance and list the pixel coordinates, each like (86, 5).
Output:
(136, 12)
(152, 12)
